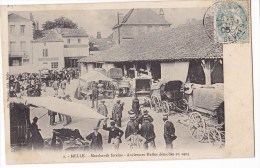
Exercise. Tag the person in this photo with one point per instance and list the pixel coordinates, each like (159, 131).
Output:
(132, 125)
(136, 105)
(135, 141)
(169, 132)
(68, 77)
(55, 86)
(95, 93)
(36, 137)
(147, 131)
(140, 119)
(63, 87)
(17, 88)
(102, 108)
(114, 135)
(117, 112)
(52, 115)
(96, 140)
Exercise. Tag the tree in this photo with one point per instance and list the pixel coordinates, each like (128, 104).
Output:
(37, 34)
(60, 22)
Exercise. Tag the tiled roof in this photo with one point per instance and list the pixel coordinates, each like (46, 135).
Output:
(102, 43)
(142, 16)
(65, 32)
(16, 18)
(49, 36)
(188, 41)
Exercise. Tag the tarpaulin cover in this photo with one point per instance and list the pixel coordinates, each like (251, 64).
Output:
(64, 107)
(208, 98)
(94, 76)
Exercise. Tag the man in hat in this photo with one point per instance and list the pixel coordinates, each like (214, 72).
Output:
(102, 108)
(96, 140)
(132, 125)
(136, 105)
(147, 131)
(114, 135)
(117, 112)
(169, 132)
(63, 87)
(140, 119)
(55, 86)
(95, 93)
(36, 137)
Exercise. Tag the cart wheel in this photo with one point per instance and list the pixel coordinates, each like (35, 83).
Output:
(165, 107)
(183, 105)
(197, 126)
(214, 137)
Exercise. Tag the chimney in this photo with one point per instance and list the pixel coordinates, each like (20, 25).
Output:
(161, 13)
(119, 17)
(98, 35)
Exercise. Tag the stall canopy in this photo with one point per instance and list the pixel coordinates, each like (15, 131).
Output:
(94, 76)
(14, 70)
(64, 107)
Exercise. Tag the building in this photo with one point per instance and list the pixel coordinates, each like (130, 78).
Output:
(183, 53)
(48, 50)
(76, 45)
(138, 22)
(20, 35)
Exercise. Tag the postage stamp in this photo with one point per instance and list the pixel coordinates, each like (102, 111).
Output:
(227, 22)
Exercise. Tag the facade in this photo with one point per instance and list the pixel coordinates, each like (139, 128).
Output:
(20, 36)
(138, 22)
(183, 53)
(76, 45)
(48, 50)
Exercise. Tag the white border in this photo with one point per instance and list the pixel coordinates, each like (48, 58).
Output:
(216, 163)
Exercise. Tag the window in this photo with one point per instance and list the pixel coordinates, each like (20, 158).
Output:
(23, 45)
(22, 28)
(45, 52)
(12, 47)
(79, 41)
(54, 65)
(68, 41)
(12, 29)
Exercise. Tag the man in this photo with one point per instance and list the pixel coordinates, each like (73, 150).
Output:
(117, 112)
(95, 95)
(140, 119)
(63, 87)
(132, 125)
(147, 131)
(136, 105)
(55, 86)
(52, 115)
(36, 137)
(102, 108)
(96, 140)
(169, 132)
(115, 134)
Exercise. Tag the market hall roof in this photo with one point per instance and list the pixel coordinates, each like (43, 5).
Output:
(66, 32)
(17, 18)
(49, 36)
(187, 41)
(142, 17)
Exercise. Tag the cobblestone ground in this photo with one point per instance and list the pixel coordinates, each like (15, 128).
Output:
(184, 141)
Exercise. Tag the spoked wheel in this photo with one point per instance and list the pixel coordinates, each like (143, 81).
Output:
(183, 105)
(165, 107)
(214, 137)
(197, 126)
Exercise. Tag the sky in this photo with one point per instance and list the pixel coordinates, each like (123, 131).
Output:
(103, 20)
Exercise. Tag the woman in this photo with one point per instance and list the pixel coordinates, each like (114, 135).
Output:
(36, 137)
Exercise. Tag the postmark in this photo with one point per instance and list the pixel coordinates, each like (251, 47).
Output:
(226, 22)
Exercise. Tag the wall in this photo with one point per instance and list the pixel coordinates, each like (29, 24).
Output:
(55, 54)
(74, 48)
(174, 71)
(17, 37)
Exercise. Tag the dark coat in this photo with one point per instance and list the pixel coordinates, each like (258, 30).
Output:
(132, 126)
(136, 106)
(36, 137)
(147, 131)
(169, 132)
(96, 141)
(140, 119)
(95, 93)
(117, 111)
(113, 133)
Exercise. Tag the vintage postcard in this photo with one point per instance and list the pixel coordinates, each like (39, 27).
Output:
(127, 81)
